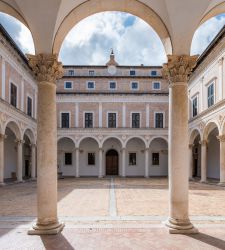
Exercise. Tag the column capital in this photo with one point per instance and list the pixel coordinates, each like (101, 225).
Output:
(19, 142)
(100, 149)
(221, 138)
(46, 67)
(203, 142)
(191, 146)
(220, 61)
(2, 137)
(179, 68)
(33, 145)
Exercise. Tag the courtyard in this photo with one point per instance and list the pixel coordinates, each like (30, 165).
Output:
(121, 213)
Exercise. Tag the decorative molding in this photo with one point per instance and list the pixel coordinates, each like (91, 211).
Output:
(46, 67)
(179, 68)
(2, 137)
(221, 138)
(203, 142)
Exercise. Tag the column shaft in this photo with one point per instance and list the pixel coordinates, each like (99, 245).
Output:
(100, 175)
(2, 161)
(123, 162)
(33, 161)
(19, 167)
(203, 161)
(77, 162)
(190, 161)
(147, 162)
(222, 158)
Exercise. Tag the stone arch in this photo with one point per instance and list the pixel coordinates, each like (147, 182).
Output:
(14, 126)
(68, 137)
(136, 137)
(133, 7)
(158, 137)
(87, 137)
(112, 137)
(193, 134)
(209, 127)
(30, 134)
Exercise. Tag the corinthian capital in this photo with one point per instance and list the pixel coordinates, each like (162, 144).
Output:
(46, 67)
(179, 68)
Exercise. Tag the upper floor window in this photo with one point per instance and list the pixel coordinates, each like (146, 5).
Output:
(90, 85)
(88, 120)
(194, 106)
(91, 158)
(132, 159)
(156, 85)
(135, 120)
(158, 120)
(132, 73)
(71, 72)
(112, 85)
(91, 72)
(153, 73)
(65, 120)
(211, 95)
(68, 85)
(134, 85)
(111, 120)
(13, 95)
(68, 159)
(29, 106)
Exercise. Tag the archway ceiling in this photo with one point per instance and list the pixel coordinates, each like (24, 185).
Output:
(181, 17)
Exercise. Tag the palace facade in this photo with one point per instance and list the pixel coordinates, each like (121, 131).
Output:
(111, 119)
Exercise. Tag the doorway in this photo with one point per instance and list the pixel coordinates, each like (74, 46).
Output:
(112, 160)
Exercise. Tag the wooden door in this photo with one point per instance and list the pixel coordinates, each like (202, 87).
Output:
(112, 167)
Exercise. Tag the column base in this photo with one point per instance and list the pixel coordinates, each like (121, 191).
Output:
(77, 176)
(180, 226)
(147, 177)
(2, 184)
(221, 184)
(51, 229)
(203, 181)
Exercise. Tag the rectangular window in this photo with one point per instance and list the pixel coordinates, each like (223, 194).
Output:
(88, 120)
(68, 159)
(91, 158)
(132, 159)
(13, 95)
(153, 73)
(70, 72)
(29, 106)
(132, 73)
(91, 72)
(134, 85)
(159, 120)
(211, 93)
(90, 85)
(65, 120)
(194, 106)
(156, 85)
(112, 85)
(155, 158)
(68, 85)
(111, 120)
(135, 120)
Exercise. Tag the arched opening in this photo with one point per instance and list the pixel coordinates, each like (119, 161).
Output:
(66, 157)
(135, 156)
(158, 157)
(196, 160)
(26, 157)
(112, 162)
(88, 157)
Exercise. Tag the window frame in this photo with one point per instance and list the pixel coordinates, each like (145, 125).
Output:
(131, 85)
(212, 83)
(91, 72)
(154, 87)
(94, 159)
(151, 74)
(84, 120)
(132, 70)
(67, 112)
(159, 112)
(158, 159)
(115, 85)
(29, 96)
(107, 117)
(17, 93)
(88, 87)
(192, 107)
(68, 82)
(71, 70)
(71, 153)
(131, 119)
(129, 163)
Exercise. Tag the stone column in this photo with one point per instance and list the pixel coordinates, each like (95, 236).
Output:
(147, 163)
(19, 167)
(77, 162)
(177, 71)
(33, 161)
(47, 70)
(203, 160)
(191, 161)
(2, 161)
(123, 162)
(222, 159)
(100, 174)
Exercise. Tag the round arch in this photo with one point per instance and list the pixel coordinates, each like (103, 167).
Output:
(158, 137)
(112, 137)
(209, 127)
(87, 137)
(133, 7)
(14, 126)
(66, 137)
(30, 134)
(136, 137)
(193, 134)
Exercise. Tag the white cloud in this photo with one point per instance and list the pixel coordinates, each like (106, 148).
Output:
(205, 34)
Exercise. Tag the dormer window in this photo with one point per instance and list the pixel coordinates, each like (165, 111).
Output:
(132, 73)
(70, 72)
(91, 72)
(153, 73)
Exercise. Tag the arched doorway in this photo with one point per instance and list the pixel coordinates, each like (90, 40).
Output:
(112, 162)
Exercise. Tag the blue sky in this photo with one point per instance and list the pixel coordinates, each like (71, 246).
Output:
(134, 41)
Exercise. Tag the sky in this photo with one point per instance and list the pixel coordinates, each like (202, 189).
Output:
(134, 42)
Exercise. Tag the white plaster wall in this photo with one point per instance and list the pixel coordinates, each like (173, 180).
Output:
(88, 146)
(65, 145)
(138, 147)
(213, 159)
(112, 144)
(10, 154)
(159, 146)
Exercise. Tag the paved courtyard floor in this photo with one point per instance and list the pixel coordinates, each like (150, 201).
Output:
(112, 213)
